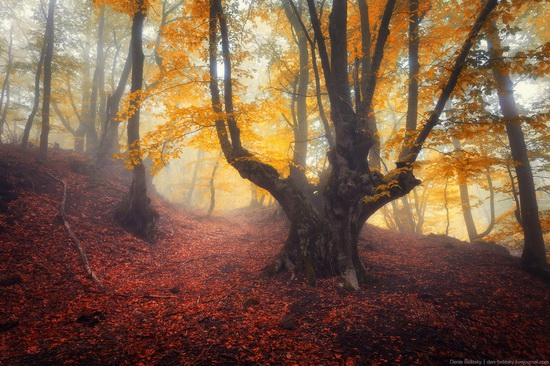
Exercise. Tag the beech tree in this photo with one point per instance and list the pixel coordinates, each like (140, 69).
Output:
(5, 93)
(534, 253)
(325, 243)
(49, 44)
(135, 211)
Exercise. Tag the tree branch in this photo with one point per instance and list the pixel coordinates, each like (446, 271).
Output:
(433, 120)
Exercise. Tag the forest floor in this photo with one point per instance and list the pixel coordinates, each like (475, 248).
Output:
(197, 296)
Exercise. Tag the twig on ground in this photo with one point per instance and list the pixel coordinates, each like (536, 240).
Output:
(76, 241)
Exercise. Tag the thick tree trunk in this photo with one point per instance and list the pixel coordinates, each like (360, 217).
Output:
(325, 244)
(49, 40)
(135, 211)
(534, 252)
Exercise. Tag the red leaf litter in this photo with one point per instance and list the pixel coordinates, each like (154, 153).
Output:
(197, 296)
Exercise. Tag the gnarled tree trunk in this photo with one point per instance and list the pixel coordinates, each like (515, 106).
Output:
(322, 244)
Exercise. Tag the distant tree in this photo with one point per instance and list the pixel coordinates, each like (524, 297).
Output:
(212, 188)
(534, 253)
(189, 196)
(48, 56)
(36, 98)
(98, 85)
(5, 93)
(465, 198)
(108, 143)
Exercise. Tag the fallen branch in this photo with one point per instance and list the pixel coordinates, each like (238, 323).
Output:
(76, 241)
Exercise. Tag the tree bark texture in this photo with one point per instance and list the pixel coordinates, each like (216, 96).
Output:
(6, 87)
(36, 102)
(212, 187)
(135, 211)
(465, 196)
(189, 196)
(534, 252)
(92, 140)
(299, 99)
(48, 56)
(322, 244)
(108, 144)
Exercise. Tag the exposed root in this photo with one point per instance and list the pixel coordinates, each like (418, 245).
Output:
(349, 280)
(140, 221)
(282, 262)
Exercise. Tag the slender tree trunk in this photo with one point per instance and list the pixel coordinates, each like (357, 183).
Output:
(412, 108)
(62, 118)
(446, 204)
(92, 140)
(6, 87)
(515, 194)
(406, 217)
(256, 199)
(4, 114)
(465, 197)
(212, 189)
(189, 196)
(135, 211)
(491, 206)
(49, 41)
(300, 123)
(366, 63)
(108, 144)
(36, 102)
(420, 207)
(83, 128)
(534, 253)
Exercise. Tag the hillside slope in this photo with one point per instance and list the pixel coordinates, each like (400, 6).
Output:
(197, 296)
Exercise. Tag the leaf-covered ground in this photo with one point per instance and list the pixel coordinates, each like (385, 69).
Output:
(197, 296)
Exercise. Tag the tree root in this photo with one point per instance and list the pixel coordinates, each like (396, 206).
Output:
(142, 222)
(280, 263)
(76, 241)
